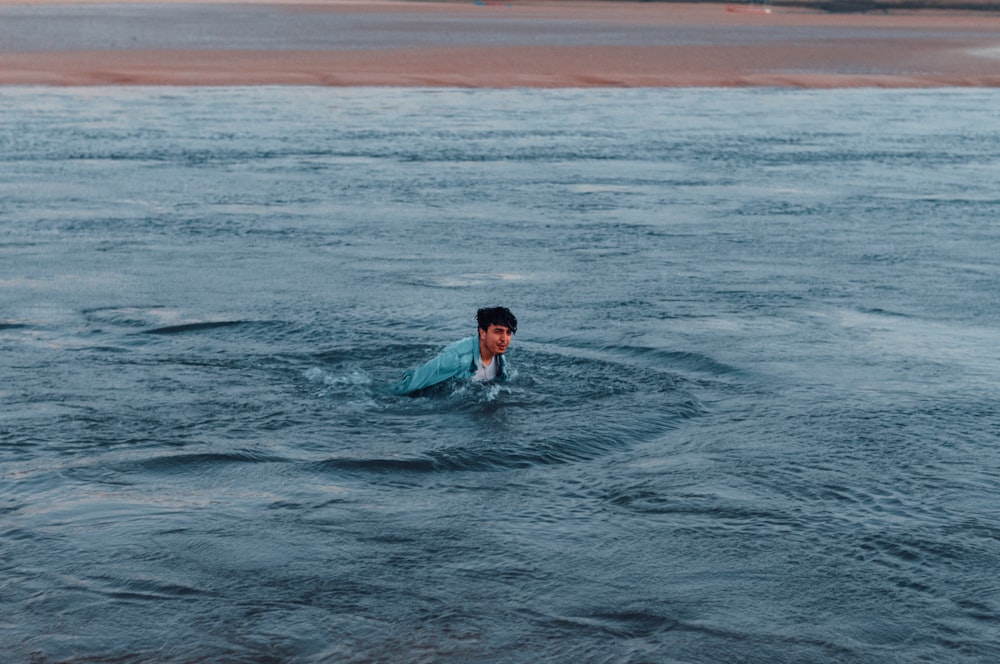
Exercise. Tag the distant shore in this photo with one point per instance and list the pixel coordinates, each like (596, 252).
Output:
(496, 44)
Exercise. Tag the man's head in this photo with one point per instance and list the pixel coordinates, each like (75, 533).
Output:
(496, 327)
(496, 316)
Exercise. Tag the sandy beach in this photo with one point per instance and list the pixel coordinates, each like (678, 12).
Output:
(527, 44)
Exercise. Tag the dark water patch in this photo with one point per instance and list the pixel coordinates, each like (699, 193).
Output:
(985, 608)
(102, 474)
(878, 311)
(910, 550)
(412, 465)
(779, 208)
(885, 258)
(99, 349)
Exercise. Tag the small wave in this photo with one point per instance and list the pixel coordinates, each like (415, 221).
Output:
(644, 356)
(729, 643)
(193, 327)
(890, 259)
(349, 379)
(352, 388)
(719, 511)
(687, 360)
(599, 188)
(451, 461)
(878, 311)
(899, 550)
(481, 459)
(146, 589)
(473, 280)
(181, 462)
(637, 624)
(133, 316)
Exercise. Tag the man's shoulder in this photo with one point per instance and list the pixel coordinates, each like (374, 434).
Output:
(462, 346)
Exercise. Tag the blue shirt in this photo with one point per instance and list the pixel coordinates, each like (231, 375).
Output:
(458, 360)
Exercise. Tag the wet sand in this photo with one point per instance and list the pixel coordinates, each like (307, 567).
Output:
(527, 44)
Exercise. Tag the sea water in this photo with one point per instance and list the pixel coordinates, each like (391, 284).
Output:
(755, 413)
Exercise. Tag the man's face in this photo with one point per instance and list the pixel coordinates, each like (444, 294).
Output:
(495, 339)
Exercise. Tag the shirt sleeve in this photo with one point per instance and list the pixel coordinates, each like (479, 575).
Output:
(448, 364)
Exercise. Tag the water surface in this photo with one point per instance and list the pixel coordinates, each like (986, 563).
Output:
(753, 418)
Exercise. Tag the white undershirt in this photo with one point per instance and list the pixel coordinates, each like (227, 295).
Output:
(486, 371)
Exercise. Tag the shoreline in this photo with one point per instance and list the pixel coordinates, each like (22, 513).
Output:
(461, 44)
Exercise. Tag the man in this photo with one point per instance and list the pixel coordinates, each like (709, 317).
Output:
(480, 358)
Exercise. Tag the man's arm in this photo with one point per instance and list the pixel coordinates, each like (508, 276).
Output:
(448, 364)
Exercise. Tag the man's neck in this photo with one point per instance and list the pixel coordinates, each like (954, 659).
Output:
(484, 354)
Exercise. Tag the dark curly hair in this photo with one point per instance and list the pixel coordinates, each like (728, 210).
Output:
(496, 316)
